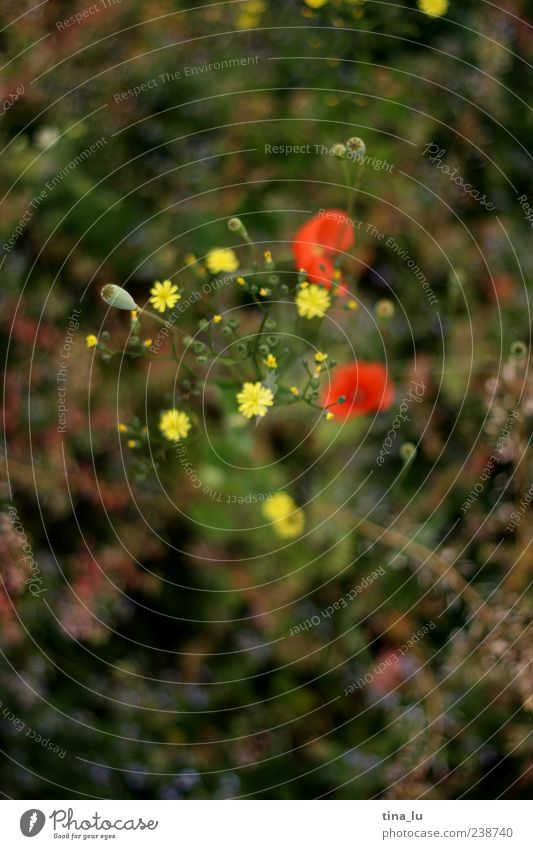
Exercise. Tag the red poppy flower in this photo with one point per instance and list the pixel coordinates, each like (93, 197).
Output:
(318, 242)
(365, 386)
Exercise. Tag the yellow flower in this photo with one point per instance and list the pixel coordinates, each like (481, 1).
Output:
(353, 305)
(315, 4)
(268, 256)
(304, 284)
(330, 416)
(287, 518)
(132, 443)
(164, 295)
(217, 319)
(254, 400)
(147, 343)
(313, 302)
(320, 357)
(264, 292)
(271, 361)
(241, 281)
(91, 340)
(122, 428)
(295, 391)
(174, 425)
(222, 259)
(134, 314)
(433, 8)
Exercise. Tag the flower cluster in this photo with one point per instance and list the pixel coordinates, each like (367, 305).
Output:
(263, 361)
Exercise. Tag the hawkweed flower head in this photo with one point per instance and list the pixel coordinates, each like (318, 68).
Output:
(222, 259)
(174, 425)
(433, 8)
(216, 319)
(165, 295)
(271, 361)
(91, 340)
(116, 296)
(313, 302)
(287, 518)
(254, 399)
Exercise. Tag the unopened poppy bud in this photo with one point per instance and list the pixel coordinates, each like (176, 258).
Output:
(263, 349)
(269, 262)
(202, 324)
(199, 347)
(270, 324)
(357, 147)
(116, 296)
(201, 360)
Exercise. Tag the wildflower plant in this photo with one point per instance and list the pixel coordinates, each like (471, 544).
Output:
(274, 338)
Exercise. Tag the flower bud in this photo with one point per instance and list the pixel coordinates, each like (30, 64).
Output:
(407, 452)
(235, 225)
(518, 350)
(384, 309)
(270, 324)
(116, 296)
(339, 150)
